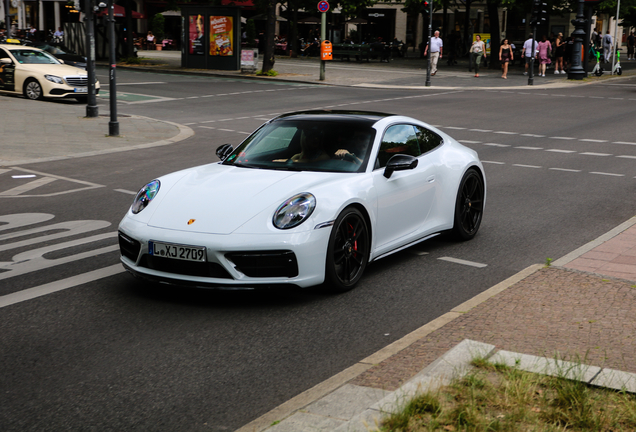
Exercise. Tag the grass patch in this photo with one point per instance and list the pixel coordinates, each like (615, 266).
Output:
(271, 73)
(496, 397)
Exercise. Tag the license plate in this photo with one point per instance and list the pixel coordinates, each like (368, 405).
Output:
(179, 252)
(81, 89)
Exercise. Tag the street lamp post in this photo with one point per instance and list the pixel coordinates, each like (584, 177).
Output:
(91, 107)
(113, 124)
(576, 71)
(430, 35)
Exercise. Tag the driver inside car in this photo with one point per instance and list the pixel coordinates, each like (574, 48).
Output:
(356, 150)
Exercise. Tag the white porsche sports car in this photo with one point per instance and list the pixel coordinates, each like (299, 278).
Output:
(308, 198)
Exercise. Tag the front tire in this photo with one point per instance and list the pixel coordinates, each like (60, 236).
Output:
(348, 251)
(33, 90)
(469, 206)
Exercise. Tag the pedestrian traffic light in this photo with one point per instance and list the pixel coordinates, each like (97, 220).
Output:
(425, 7)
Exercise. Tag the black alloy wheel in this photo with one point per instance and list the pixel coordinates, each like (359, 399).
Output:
(348, 250)
(469, 206)
(32, 89)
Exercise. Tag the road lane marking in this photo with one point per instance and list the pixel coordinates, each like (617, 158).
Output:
(565, 169)
(88, 185)
(623, 142)
(626, 157)
(595, 154)
(49, 288)
(463, 262)
(493, 162)
(526, 166)
(28, 186)
(593, 140)
(529, 148)
(496, 145)
(68, 229)
(562, 138)
(533, 136)
(561, 151)
(125, 191)
(607, 174)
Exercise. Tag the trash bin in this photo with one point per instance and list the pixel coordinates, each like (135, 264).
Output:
(326, 50)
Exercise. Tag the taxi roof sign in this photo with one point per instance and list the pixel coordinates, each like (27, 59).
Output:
(13, 41)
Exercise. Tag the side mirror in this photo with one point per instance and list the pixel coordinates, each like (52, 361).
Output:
(400, 162)
(60, 60)
(5, 61)
(224, 151)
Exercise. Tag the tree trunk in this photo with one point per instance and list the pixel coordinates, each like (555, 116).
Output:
(130, 43)
(467, 41)
(293, 36)
(270, 44)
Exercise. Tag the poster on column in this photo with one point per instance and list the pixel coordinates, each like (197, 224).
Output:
(221, 36)
(195, 34)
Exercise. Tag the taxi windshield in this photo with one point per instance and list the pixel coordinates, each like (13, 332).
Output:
(304, 145)
(34, 57)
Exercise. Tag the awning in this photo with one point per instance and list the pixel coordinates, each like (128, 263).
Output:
(309, 20)
(120, 11)
(263, 17)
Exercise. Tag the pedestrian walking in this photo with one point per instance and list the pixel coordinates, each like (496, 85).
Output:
(505, 57)
(477, 52)
(436, 51)
(607, 47)
(545, 51)
(559, 53)
(526, 52)
(631, 41)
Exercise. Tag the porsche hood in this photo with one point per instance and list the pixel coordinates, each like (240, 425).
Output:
(217, 199)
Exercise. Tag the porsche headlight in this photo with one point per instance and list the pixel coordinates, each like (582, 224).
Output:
(145, 195)
(294, 211)
(55, 79)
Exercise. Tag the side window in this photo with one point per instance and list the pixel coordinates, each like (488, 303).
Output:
(428, 140)
(398, 139)
(3, 54)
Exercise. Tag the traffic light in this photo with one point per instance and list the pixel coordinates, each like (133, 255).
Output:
(425, 8)
(539, 12)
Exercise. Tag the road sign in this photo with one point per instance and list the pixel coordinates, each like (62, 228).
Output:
(323, 6)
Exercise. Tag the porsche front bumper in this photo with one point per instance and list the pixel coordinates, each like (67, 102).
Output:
(234, 261)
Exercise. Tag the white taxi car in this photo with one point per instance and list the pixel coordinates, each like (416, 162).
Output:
(37, 74)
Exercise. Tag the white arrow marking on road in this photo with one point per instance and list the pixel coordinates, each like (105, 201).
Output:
(69, 229)
(23, 219)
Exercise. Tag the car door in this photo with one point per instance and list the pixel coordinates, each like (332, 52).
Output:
(7, 72)
(404, 200)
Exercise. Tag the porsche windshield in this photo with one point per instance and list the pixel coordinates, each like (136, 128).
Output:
(307, 145)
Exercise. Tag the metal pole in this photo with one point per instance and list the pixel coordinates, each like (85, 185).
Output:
(576, 71)
(614, 48)
(91, 107)
(323, 36)
(532, 56)
(113, 124)
(430, 34)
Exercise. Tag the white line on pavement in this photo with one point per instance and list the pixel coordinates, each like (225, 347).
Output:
(595, 154)
(526, 166)
(60, 285)
(561, 151)
(608, 174)
(463, 262)
(529, 148)
(125, 191)
(565, 169)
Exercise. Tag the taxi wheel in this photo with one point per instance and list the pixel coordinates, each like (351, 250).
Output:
(32, 89)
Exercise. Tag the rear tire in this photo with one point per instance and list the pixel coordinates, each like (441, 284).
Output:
(33, 90)
(469, 206)
(348, 251)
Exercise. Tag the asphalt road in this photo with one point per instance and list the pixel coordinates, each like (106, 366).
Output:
(116, 355)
